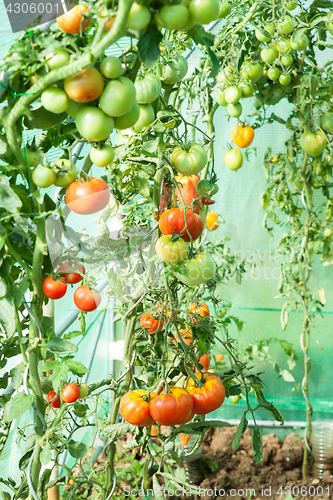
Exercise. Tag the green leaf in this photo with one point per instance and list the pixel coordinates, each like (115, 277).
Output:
(297, 35)
(17, 406)
(7, 315)
(321, 295)
(24, 460)
(242, 426)
(46, 454)
(257, 443)
(77, 449)
(263, 31)
(5, 495)
(114, 431)
(142, 185)
(17, 375)
(3, 147)
(287, 376)
(201, 37)
(72, 335)
(8, 198)
(275, 413)
(59, 345)
(42, 119)
(18, 291)
(3, 288)
(148, 46)
(261, 398)
(318, 18)
(80, 409)
(77, 368)
(284, 316)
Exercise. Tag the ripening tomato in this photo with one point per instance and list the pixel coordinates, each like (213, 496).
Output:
(72, 273)
(190, 160)
(111, 67)
(233, 159)
(102, 155)
(73, 22)
(56, 403)
(242, 135)
(88, 197)
(70, 393)
(186, 190)
(85, 86)
(211, 219)
(205, 362)
(209, 397)
(43, 176)
(171, 251)
(195, 271)
(54, 289)
(186, 335)
(147, 88)
(152, 325)
(54, 100)
(118, 97)
(135, 407)
(173, 220)
(154, 432)
(71, 481)
(172, 409)
(108, 25)
(219, 357)
(93, 124)
(204, 11)
(86, 299)
(128, 119)
(84, 390)
(57, 59)
(199, 308)
(313, 144)
(184, 439)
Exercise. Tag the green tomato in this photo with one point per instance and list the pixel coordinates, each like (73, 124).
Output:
(234, 110)
(57, 59)
(32, 156)
(73, 108)
(268, 54)
(285, 25)
(111, 68)
(284, 45)
(206, 188)
(204, 11)
(328, 232)
(226, 75)
(148, 88)
(171, 252)
(102, 155)
(246, 89)
(193, 272)
(301, 44)
(146, 118)
(269, 28)
(286, 60)
(65, 172)
(138, 18)
(84, 390)
(220, 97)
(129, 119)
(54, 100)
(273, 74)
(43, 177)
(284, 79)
(93, 124)
(172, 17)
(251, 72)
(174, 74)
(235, 399)
(189, 161)
(225, 10)
(233, 159)
(327, 122)
(232, 94)
(313, 144)
(291, 5)
(118, 97)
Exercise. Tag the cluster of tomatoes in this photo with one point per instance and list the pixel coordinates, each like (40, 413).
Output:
(85, 299)
(242, 135)
(70, 393)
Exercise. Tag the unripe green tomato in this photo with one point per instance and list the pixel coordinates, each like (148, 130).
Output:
(204, 11)
(269, 54)
(226, 75)
(54, 100)
(225, 9)
(146, 118)
(235, 399)
(32, 156)
(273, 74)
(220, 98)
(111, 67)
(286, 60)
(291, 4)
(138, 18)
(285, 25)
(232, 95)
(327, 122)
(313, 144)
(102, 156)
(234, 110)
(301, 44)
(57, 59)
(269, 27)
(73, 108)
(84, 390)
(284, 79)
(43, 176)
(284, 45)
(246, 90)
(328, 232)
(233, 159)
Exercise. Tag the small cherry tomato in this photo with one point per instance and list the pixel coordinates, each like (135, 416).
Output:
(70, 393)
(86, 299)
(184, 439)
(73, 22)
(199, 308)
(54, 289)
(56, 403)
(72, 273)
(84, 390)
(211, 219)
(219, 357)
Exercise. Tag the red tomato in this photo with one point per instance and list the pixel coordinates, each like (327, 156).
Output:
(209, 397)
(172, 409)
(56, 403)
(71, 21)
(72, 273)
(174, 220)
(54, 289)
(86, 299)
(135, 409)
(70, 393)
(198, 308)
(188, 191)
(152, 325)
(85, 86)
(88, 197)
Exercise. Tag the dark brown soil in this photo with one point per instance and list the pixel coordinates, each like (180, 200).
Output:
(278, 476)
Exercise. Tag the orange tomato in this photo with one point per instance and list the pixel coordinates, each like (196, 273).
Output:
(152, 325)
(173, 408)
(211, 219)
(85, 86)
(184, 439)
(110, 22)
(71, 481)
(205, 361)
(186, 188)
(242, 135)
(72, 22)
(154, 432)
(219, 357)
(209, 397)
(135, 410)
(199, 308)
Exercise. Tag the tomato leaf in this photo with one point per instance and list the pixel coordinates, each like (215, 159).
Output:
(201, 37)
(240, 430)
(59, 345)
(46, 454)
(275, 413)
(8, 198)
(7, 315)
(5, 495)
(77, 449)
(116, 430)
(42, 119)
(297, 35)
(257, 443)
(17, 406)
(142, 184)
(148, 46)
(77, 368)
(284, 316)
(24, 460)
(3, 287)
